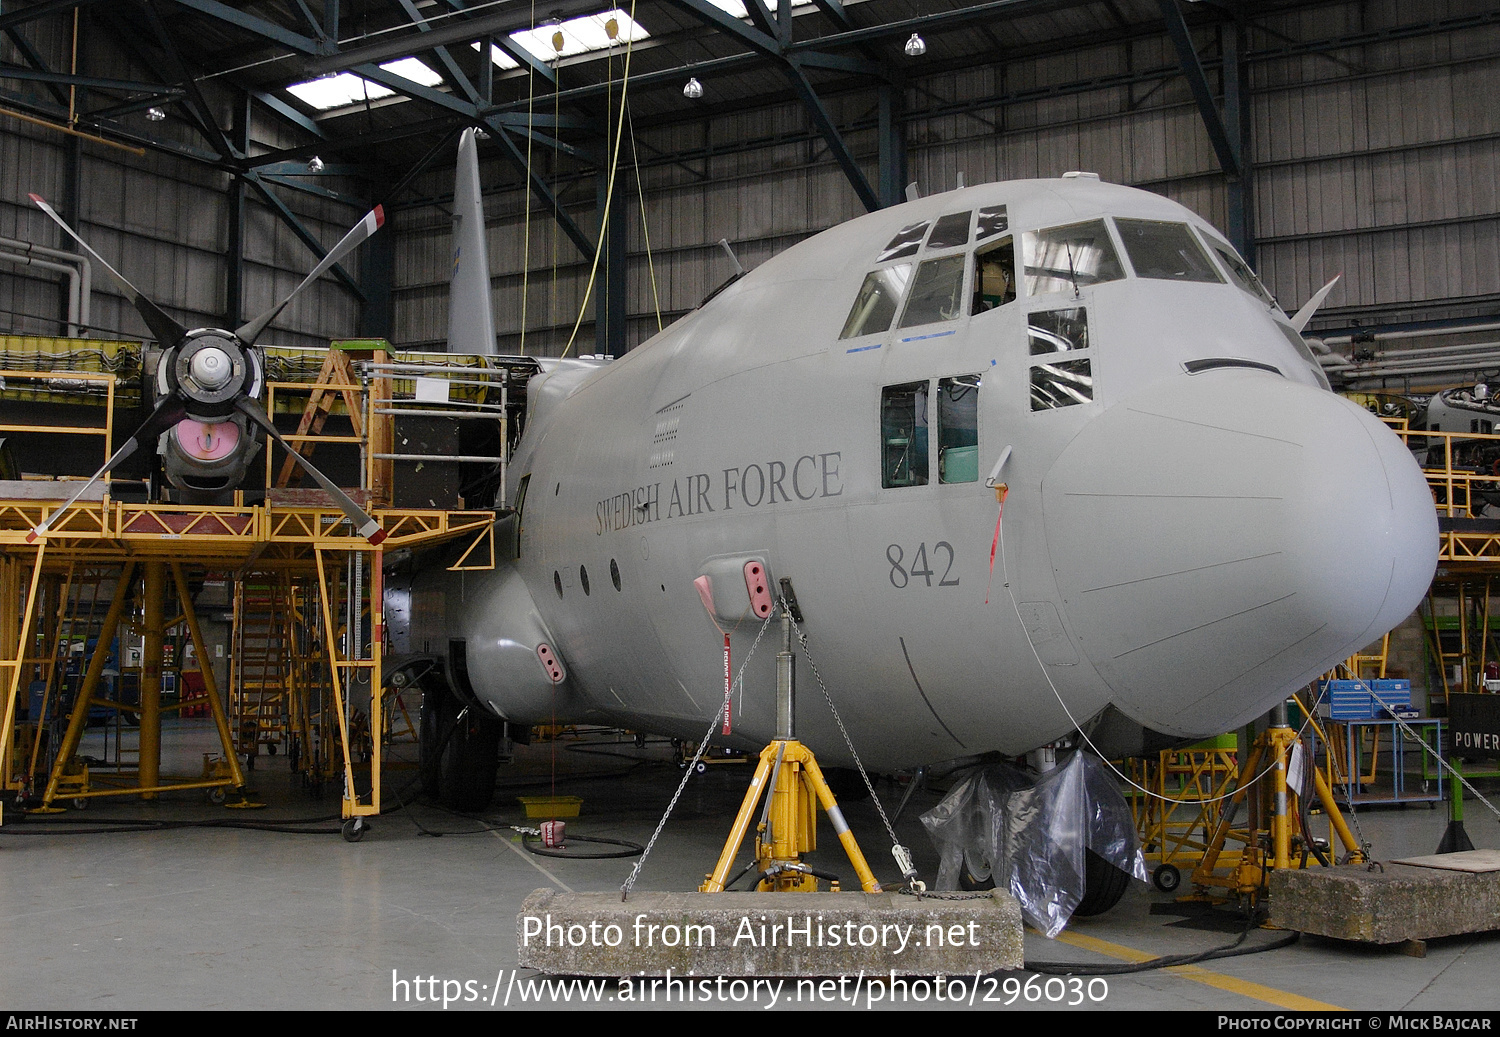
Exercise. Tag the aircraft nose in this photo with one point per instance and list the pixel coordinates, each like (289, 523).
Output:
(1220, 540)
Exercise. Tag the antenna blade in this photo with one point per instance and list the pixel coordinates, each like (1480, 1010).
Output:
(1302, 316)
(167, 331)
(168, 412)
(373, 221)
(739, 270)
(366, 526)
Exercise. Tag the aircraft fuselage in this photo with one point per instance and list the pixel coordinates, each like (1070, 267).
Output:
(1194, 525)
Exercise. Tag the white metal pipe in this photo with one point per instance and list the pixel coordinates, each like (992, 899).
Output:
(74, 281)
(1386, 336)
(85, 268)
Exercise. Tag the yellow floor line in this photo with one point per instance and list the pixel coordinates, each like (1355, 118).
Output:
(1198, 974)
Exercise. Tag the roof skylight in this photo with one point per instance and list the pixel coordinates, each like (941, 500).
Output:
(338, 91)
(414, 69)
(499, 57)
(580, 35)
(738, 10)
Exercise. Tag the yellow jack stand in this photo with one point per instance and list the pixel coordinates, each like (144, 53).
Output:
(789, 776)
(1269, 838)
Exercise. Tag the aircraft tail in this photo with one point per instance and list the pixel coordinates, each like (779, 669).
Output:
(471, 319)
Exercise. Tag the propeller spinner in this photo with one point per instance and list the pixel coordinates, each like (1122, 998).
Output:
(208, 383)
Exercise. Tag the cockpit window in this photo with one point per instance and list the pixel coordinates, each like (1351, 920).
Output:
(1068, 258)
(992, 221)
(1240, 272)
(1058, 331)
(950, 231)
(1165, 251)
(905, 243)
(937, 293)
(995, 276)
(903, 435)
(877, 300)
(1061, 385)
(958, 429)
(1069, 382)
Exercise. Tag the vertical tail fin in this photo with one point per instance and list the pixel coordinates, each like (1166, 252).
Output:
(471, 319)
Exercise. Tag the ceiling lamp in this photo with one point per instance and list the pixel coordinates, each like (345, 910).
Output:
(916, 46)
(315, 165)
(155, 114)
(692, 89)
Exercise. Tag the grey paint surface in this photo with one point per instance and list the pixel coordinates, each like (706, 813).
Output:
(1190, 547)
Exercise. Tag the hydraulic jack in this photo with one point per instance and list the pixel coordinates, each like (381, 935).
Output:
(793, 787)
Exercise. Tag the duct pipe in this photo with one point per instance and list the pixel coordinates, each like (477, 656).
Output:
(75, 328)
(84, 264)
(1385, 336)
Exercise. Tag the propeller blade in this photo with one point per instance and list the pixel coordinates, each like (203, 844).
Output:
(1302, 316)
(167, 413)
(366, 526)
(167, 331)
(373, 221)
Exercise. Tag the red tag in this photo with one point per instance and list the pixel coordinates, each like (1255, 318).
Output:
(993, 544)
(727, 684)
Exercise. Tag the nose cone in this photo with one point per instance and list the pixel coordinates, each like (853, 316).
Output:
(1221, 540)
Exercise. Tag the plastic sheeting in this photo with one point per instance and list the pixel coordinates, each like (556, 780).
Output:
(1029, 833)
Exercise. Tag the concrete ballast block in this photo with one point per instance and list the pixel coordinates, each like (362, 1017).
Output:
(1391, 906)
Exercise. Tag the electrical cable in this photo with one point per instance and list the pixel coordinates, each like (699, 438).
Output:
(532, 844)
(1233, 950)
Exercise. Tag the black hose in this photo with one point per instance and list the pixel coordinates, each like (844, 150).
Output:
(1233, 950)
(533, 845)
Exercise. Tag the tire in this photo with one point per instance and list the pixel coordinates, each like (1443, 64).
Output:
(470, 761)
(1103, 886)
(1166, 878)
(846, 784)
(430, 731)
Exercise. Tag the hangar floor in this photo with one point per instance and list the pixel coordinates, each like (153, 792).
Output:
(170, 916)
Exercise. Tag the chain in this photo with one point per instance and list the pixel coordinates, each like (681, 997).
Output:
(692, 765)
(802, 640)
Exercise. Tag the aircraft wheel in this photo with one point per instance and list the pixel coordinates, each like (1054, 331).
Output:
(431, 728)
(1103, 886)
(1166, 878)
(470, 760)
(846, 784)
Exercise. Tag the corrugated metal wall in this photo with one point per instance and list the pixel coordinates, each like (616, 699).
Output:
(163, 222)
(1377, 159)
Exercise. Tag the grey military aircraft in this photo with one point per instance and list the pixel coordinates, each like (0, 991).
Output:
(1193, 524)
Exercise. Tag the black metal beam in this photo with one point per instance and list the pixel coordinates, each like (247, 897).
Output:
(295, 224)
(35, 60)
(41, 10)
(1187, 56)
(543, 192)
(259, 26)
(91, 82)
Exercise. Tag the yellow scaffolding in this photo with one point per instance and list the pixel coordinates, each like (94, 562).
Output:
(306, 541)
